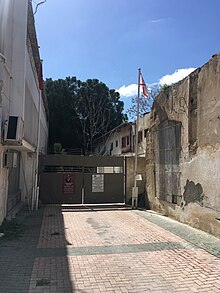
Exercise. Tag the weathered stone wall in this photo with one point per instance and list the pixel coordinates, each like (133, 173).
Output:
(209, 103)
(195, 103)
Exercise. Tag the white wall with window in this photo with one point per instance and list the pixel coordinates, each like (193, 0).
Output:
(23, 110)
(121, 141)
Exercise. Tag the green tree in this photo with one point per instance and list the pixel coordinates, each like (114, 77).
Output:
(81, 112)
(62, 126)
(98, 109)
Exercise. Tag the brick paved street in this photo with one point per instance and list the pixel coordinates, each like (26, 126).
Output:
(69, 249)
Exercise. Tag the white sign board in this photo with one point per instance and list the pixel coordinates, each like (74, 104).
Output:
(98, 183)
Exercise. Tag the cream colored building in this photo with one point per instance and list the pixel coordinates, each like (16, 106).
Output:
(23, 107)
(121, 140)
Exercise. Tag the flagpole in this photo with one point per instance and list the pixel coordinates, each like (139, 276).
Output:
(135, 188)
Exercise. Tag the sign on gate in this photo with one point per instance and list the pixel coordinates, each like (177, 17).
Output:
(69, 181)
(98, 183)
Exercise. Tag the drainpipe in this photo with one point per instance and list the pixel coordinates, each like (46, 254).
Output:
(36, 188)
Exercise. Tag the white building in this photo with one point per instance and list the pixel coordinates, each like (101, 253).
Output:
(121, 140)
(23, 107)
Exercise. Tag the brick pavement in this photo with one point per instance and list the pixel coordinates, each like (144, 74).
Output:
(17, 256)
(119, 250)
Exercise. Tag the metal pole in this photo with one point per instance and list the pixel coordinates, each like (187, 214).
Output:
(37, 158)
(135, 188)
(83, 184)
(36, 188)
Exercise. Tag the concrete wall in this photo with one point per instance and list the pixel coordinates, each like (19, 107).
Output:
(195, 103)
(27, 168)
(144, 125)
(3, 186)
(130, 176)
(15, 52)
(20, 95)
(209, 103)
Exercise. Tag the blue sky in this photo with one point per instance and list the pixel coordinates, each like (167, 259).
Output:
(110, 39)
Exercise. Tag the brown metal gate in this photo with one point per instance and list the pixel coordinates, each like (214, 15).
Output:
(82, 179)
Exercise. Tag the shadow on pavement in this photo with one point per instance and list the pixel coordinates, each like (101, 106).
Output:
(36, 261)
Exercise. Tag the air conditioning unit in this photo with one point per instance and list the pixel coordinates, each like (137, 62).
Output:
(10, 160)
(14, 130)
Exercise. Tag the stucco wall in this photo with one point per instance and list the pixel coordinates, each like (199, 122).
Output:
(144, 124)
(209, 103)
(3, 171)
(195, 102)
(27, 166)
(130, 176)
(20, 93)
(124, 131)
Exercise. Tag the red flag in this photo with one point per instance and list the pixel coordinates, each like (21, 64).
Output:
(143, 86)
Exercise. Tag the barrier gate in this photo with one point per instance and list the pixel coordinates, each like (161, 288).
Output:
(81, 179)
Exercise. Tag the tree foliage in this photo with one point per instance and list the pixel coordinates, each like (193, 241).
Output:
(81, 112)
(62, 127)
(57, 148)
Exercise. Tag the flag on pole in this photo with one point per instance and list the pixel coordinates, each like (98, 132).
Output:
(143, 86)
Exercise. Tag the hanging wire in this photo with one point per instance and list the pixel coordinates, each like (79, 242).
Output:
(38, 4)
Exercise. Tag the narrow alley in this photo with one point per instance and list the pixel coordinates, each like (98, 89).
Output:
(112, 249)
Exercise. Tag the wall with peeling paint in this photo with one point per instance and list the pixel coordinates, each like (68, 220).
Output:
(195, 103)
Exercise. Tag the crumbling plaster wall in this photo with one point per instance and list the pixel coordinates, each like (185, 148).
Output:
(195, 102)
(203, 167)
(209, 104)
(203, 207)
(171, 104)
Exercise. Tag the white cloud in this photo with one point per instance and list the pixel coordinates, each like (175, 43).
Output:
(156, 20)
(128, 91)
(132, 89)
(176, 76)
